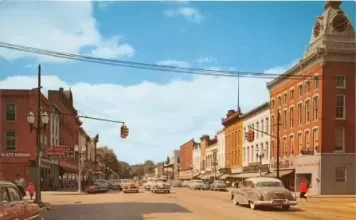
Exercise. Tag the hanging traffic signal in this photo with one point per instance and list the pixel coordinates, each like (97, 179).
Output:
(250, 136)
(168, 160)
(124, 131)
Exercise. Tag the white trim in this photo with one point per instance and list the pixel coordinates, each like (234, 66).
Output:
(316, 74)
(300, 102)
(307, 129)
(291, 88)
(340, 87)
(307, 99)
(316, 95)
(291, 106)
(315, 127)
(344, 107)
(300, 84)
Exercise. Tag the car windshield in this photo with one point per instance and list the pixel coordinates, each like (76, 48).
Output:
(269, 184)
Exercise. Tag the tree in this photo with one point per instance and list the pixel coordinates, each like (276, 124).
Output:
(137, 170)
(149, 166)
(125, 170)
(109, 158)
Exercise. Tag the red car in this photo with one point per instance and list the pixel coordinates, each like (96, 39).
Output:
(129, 186)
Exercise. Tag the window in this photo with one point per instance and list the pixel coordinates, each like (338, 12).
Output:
(291, 145)
(340, 82)
(291, 96)
(10, 140)
(258, 128)
(267, 128)
(340, 174)
(10, 114)
(272, 149)
(267, 150)
(316, 82)
(307, 111)
(262, 128)
(14, 194)
(315, 108)
(284, 149)
(279, 101)
(272, 104)
(291, 117)
(285, 99)
(285, 119)
(300, 114)
(300, 141)
(300, 90)
(272, 121)
(340, 106)
(339, 139)
(307, 87)
(315, 138)
(307, 140)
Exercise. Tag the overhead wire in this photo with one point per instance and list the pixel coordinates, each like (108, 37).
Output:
(147, 66)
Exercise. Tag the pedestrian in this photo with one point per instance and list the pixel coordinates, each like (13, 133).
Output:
(303, 190)
(31, 190)
(20, 182)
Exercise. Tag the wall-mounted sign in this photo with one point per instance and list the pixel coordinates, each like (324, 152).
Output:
(59, 152)
(236, 169)
(283, 164)
(15, 154)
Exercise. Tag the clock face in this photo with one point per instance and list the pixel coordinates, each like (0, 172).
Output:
(340, 23)
(316, 30)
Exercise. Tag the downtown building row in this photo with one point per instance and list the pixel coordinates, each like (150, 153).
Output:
(64, 128)
(315, 100)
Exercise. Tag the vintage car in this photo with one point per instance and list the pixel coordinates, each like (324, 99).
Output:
(263, 191)
(12, 206)
(161, 185)
(218, 185)
(105, 182)
(116, 184)
(197, 184)
(98, 188)
(128, 185)
(148, 185)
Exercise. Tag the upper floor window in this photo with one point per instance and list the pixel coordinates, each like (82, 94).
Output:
(300, 141)
(285, 119)
(340, 106)
(272, 123)
(291, 145)
(300, 114)
(307, 111)
(272, 104)
(315, 138)
(300, 90)
(279, 101)
(267, 126)
(10, 114)
(315, 108)
(291, 115)
(307, 140)
(258, 128)
(316, 82)
(340, 81)
(285, 99)
(339, 139)
(291, 96)
(262, 128)
(307, 87)
(10, 141)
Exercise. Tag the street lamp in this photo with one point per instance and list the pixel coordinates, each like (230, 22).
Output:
(260, 155)
(80, 151)
(42, 122)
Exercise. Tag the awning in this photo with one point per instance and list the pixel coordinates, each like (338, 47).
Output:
(234, 175)
(282, 173)
(68, 166)
(224, 176)
(247, 175)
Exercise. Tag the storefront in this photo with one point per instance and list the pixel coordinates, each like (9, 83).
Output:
(286, 171)
(253, 170)
(307, 167)
(186, 174)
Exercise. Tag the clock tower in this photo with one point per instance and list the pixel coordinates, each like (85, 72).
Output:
(332, 32)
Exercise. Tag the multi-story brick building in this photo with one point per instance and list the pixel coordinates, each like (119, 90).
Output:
(256, 154)
(234, 140)
(316, 102)
(186, 160)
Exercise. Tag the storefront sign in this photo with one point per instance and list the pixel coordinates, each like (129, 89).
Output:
(59, 152)
(236, 169)
(311, 164)
(253, 169)
(15, 154)
(283, 164)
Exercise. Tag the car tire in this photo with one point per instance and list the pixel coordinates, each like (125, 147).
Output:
(252, 205)
(285, 207)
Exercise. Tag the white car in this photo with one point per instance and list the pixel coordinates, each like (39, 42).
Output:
(263, 191)
(148, 185)
(161, 185)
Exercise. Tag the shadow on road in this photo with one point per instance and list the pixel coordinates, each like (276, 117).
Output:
(111, 211)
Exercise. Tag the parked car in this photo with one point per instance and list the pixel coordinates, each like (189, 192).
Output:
(129, 185)
(177, 183)
(148, 184)
(116, 184)
(99, 187)
(263, 191)
(12, 205)
(103, 181)
(161, 185)
(206, 185)
(185, 183)
(197, 184)
(218, 185)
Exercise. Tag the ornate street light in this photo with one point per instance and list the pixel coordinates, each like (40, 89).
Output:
(80, 151)
(260, 155)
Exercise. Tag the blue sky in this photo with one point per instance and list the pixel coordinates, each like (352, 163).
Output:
(246, 36)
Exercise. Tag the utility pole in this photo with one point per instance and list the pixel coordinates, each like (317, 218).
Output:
(38, 199)
(278, 123)
(96, 140)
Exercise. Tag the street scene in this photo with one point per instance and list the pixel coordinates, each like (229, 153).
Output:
(184, 204)
(179, 110)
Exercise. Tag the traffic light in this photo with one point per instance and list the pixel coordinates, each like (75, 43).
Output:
(167, 160)
(124, 131)
(250, 136)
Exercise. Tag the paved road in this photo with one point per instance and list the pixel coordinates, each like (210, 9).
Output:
(184, 204)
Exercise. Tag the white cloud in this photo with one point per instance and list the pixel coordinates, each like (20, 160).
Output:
(176, 63)
(191, 14)
(206, 60)
(60, 26)
(160, 117)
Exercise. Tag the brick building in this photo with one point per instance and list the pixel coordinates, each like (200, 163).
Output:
(186, 160)
(233, 126)
(316, 101)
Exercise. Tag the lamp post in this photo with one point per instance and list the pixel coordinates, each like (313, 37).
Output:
(260, 155)
(42, 122)
(80, 151)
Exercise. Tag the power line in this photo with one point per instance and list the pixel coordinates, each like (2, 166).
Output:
(138, 65)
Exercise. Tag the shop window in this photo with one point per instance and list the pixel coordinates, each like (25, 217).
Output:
(340, 174)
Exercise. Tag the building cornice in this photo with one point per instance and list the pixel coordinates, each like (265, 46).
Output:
(258, 110)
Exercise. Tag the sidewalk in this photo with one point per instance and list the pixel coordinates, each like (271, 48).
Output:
(315, 196)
